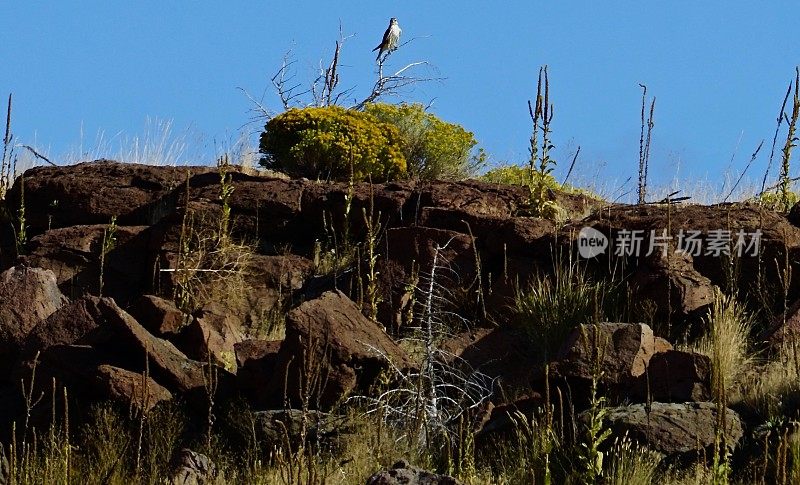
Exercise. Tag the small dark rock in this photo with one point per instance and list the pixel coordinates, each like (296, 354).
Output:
(192, 468)
(402, 473)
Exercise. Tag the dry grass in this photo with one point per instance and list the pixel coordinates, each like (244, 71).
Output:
(632, 464)
(773, 387)
(727, 341)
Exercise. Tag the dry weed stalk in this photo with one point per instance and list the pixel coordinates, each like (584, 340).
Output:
(644, 144)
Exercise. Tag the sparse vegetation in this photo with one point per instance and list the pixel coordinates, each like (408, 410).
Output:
(450, 404)
(553, 304)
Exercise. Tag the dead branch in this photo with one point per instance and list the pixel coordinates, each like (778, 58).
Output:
(391, 84)
(282, 79)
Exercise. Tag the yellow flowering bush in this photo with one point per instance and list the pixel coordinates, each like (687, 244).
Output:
(332, 143)
(433, 148)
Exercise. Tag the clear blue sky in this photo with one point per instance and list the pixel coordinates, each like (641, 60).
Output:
(718, 69)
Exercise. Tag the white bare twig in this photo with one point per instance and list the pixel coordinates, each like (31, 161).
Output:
(444, 387)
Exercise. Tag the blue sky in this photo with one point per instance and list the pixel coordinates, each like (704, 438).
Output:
(719, 71)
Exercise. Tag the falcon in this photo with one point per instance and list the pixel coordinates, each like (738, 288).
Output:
(390, 38)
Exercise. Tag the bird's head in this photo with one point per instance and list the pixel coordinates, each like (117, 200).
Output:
(393, 21)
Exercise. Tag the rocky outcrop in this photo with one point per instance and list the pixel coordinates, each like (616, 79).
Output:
(141, 350)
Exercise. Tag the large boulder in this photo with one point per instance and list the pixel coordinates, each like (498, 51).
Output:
(129, 388)
(678, 430)
(676, 376)
(159, 316)
(622, 350)
(678, 291)
(74, 255)
(212, 336)
(330, 351)
(27, 296)
(93, 192)
(70, 324)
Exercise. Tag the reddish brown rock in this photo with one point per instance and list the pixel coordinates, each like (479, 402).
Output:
(74, 255)
(497, 352)
(409, 252)
(80, 370)
(27, 296)
(93, 192)
(248, 351)
(678, 291)
(129, 388)
(626, 350)
(676, 376)
(344, 351)
(212, 335)
(161, 317)
(70, 324)
(125, 341)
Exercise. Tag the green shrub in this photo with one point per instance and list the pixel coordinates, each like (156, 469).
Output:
(332, 143)
(516, 175)
(552, 305)
(433, 148)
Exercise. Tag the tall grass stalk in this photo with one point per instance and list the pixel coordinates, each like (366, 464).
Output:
(644, 144)
(727, 341)
(791, 141)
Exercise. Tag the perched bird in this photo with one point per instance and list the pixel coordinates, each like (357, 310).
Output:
(390, 38)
